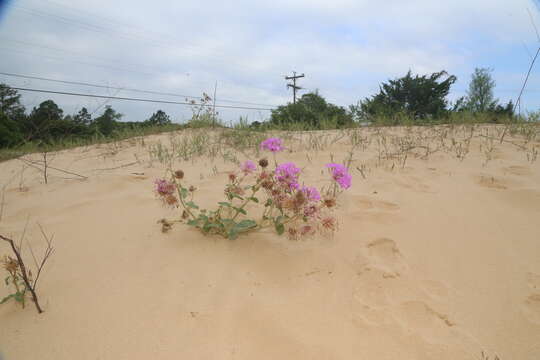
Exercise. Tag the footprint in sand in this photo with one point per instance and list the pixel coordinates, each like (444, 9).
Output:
(531, 305)
(365, 203)
(385, 250)
(419, 317)
(517, 170)
(491, 182)
(376, 211)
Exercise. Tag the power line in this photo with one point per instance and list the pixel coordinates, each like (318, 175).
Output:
(122, 88)
(137, 99)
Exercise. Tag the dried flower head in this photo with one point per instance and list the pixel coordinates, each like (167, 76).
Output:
(170, 200)
(232, 177)
(263, 163)
(293, 233)
(192, 188)
(165, 225)
(329, 202)
(311, 193)
(179, 174)
(10, 264)
(267, 184)
(185, 214)
(329, 223)
(311, 211)
(307, 230)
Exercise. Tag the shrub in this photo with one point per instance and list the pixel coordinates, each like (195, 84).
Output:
(285, 203)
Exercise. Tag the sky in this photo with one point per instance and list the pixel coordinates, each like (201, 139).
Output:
(243, 49)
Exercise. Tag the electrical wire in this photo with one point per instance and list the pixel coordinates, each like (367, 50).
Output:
(138, 99)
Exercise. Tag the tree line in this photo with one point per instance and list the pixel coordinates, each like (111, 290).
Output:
(411, 99)
(47, 123)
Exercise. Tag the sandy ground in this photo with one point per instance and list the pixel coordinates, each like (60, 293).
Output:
(435, 258)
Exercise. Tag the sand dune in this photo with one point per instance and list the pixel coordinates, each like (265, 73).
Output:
(437, 256)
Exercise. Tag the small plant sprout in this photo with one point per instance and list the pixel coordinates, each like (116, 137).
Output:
(283, 201)
(20, 275)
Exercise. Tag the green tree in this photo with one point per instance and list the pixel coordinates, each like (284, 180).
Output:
(158, 118)
(480, 94)
(419, 97)
(83, 117)
(45, 122)
(107, 122)
(11, 117)
(313, 110)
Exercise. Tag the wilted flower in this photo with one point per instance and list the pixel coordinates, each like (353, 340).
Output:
(164, 188)
(170, 200)
(267, 184)
(311, 211)
(10, 264)
(329, 202)
(293, 233)
(248, 167)
(272, 144)
(341, 175)
(288, 174)
(329, 223)
(232, 176)
(307, 230)
(311, 193)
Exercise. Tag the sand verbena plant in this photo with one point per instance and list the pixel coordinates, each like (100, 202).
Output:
(276, 195)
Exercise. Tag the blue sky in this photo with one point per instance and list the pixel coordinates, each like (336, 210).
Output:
(346, 48)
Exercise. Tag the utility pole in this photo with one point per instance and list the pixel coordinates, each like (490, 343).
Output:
(293, 85)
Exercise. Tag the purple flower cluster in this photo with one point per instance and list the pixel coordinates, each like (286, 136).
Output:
(287, 174)
(311, 193)
(341, 175)
(164, 188)
(272, 144)
(248, 167)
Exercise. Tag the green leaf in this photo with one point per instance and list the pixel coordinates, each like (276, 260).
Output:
(240, 210)
(227, 221)
(192, 205)
(19, 296)
(237, 196)
(183, 193)
(280, 228)
(193, 222)
(7, 298)
(233, 233)
(254, 199)
(269, 202)
(6, 280)
(224, 203)
(246, 224)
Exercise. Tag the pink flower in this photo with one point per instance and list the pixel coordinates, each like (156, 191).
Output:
(248, 167)
(288, 174)
(164, 188)
(311, 193)
(341, 175)
(272, 144)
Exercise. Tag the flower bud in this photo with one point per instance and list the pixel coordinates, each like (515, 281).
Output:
(179, 174)
(263, 163)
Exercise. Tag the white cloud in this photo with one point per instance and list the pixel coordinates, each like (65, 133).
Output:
(345, 47)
